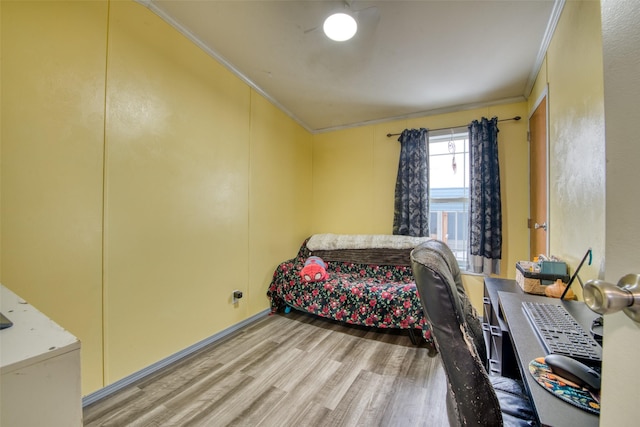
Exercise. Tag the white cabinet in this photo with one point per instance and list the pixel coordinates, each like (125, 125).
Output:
(40, 367)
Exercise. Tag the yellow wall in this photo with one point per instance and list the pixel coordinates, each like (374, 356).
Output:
(572, 71)
(176, 202)
(280, 184)
(141, 182)
(53, 94)
(354, 174)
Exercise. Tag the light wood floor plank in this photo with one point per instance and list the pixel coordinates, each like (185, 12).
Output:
(289, 370)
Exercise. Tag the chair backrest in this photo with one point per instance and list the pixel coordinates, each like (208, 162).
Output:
(458, 335)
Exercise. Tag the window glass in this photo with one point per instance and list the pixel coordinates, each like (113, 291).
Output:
(449, 189)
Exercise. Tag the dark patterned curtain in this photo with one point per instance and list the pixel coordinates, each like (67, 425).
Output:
(485, 211)
(411, 209)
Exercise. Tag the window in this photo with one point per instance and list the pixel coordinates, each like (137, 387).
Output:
(449, 189)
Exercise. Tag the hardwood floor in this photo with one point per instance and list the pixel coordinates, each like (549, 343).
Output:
(289, 370)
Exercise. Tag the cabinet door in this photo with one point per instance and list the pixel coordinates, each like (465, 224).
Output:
(501, 358)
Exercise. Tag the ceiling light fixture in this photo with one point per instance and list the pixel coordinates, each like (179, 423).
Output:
(340, 27)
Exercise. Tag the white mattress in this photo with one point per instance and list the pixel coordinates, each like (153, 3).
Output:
(324, 242)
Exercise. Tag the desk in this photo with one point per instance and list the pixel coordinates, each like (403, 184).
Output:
(40, 367)
(551, 410)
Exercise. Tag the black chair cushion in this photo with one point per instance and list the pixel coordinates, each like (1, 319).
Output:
(514, 403)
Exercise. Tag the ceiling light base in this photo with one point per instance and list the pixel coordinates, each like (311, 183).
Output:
(340, 27)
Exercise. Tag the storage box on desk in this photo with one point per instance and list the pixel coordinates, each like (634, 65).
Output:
(535, 282)
(553, 267)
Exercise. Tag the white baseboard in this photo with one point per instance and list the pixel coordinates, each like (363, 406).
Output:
(126, 381)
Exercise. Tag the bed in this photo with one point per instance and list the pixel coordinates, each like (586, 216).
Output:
(369, 283)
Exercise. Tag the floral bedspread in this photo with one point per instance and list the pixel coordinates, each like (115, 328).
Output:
(379, 296)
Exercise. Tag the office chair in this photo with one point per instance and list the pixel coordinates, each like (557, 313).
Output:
(474, 398)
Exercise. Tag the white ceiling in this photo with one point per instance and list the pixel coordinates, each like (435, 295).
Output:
(409, 58)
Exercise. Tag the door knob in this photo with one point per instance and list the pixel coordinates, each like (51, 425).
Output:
(543, 226)
(604, 298)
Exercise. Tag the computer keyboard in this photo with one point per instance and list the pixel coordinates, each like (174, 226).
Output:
(561, 334)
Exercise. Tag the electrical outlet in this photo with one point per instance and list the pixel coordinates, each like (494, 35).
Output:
(236, 296)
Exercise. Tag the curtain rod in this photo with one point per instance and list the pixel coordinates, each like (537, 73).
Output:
(516, 118)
